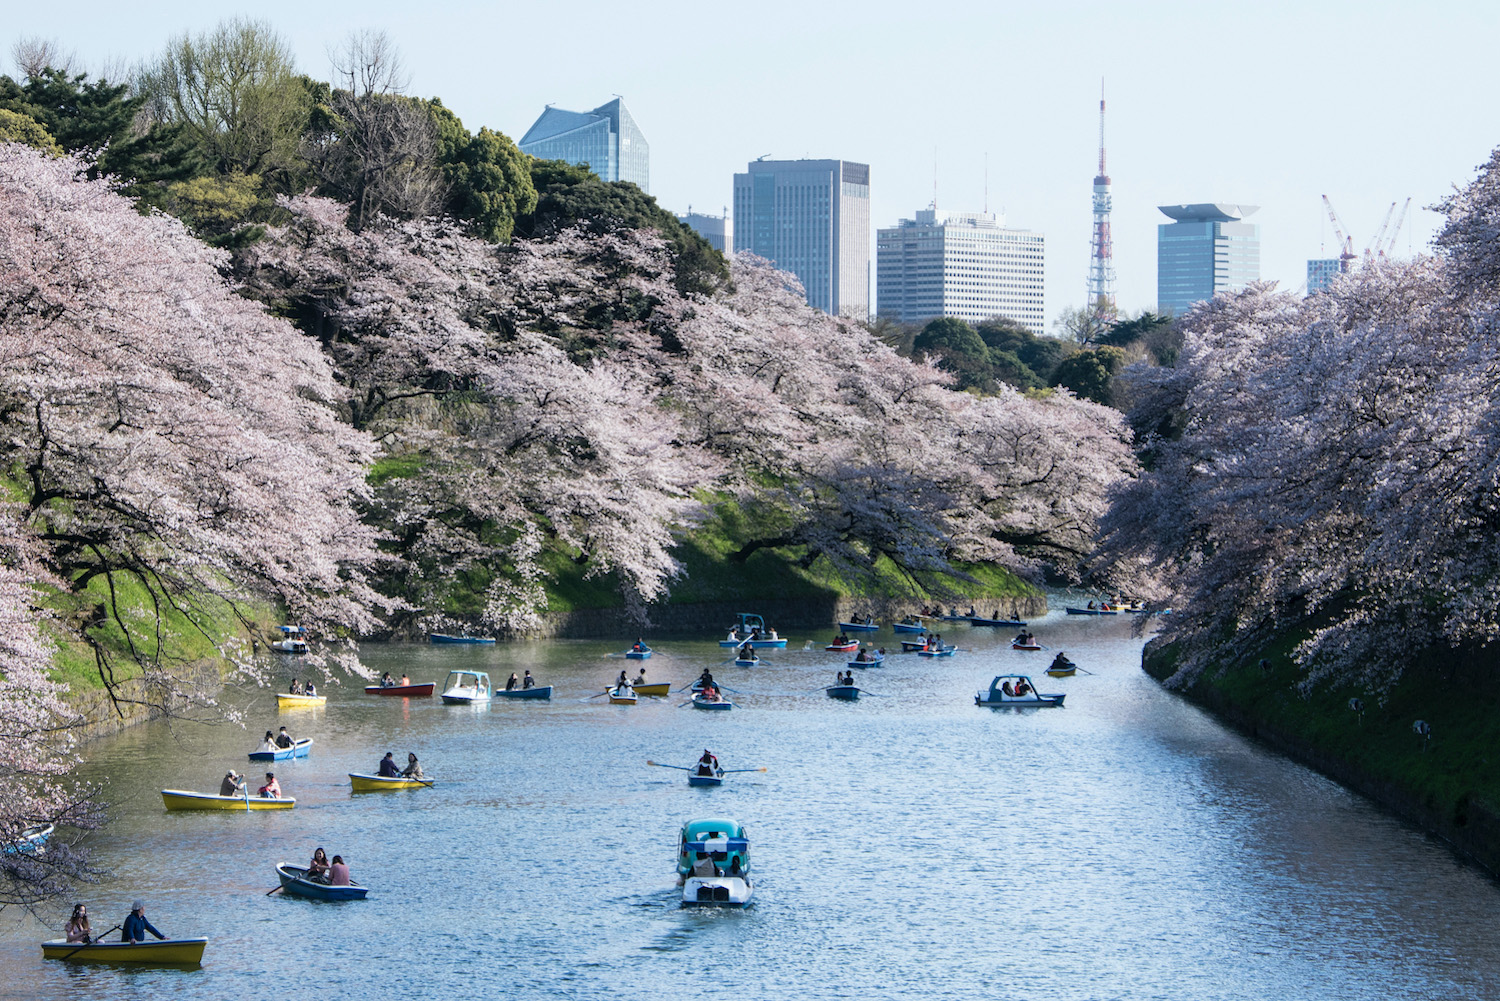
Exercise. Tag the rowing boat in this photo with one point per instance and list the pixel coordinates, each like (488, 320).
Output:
(858, 627)
(944, 651)
(1090, 611)
(844, 647)
(297, 750)
(849, 693)
(360, 782)
(413, 691)
(975, 620)
(700, 780)
(746, 662)
(621, 695)
(535, 692)
(172, 951)
(912, 625)
(286, 700)
(876, 662)
(720, 703)
(445, 638)
(1063, 672)
(293, 882)
(644, 653)
(1025, 646)
(656, 688)
(181, 799)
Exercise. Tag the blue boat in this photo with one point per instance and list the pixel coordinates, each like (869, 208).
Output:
(874, 662)
(944, 651)
(975, 620)
(868, 626)
(997, 697)
(644, 653)
(742, 662)
(31, 841)
(1090, 611)
(849, 693)
(538, 692)
(912, 646)
(752, 629)
(445, 638)
(293, 881)
(721, 847)
(721, 704)
(912, 625)
(297, 750)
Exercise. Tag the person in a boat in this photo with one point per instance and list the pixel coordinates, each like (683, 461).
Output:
(1006, 689)
(317, 869)
(708, 764)
(512, 682)
(77, 929)
(528, 681)
(640, 677)
(269, 744)
(1060, 662)
(405, 681)
(386, 681)
(639, 645)
(232, 785)
(704, 866)
(388, 768)
(622, 681)
(734, 868)
(1091, 604)
(413, 769)
(338, 872)
(272, 788)
(284, 739)
(747, 652)
(296, 688)
(1022, 689)
(309, 689)
(135, 927)
(706, 679)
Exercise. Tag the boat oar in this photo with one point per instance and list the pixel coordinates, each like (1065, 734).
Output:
(658, 764)
(93, 941)
(731, 771)
(272, 890)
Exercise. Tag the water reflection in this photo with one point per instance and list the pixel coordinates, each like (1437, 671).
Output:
(912, 846)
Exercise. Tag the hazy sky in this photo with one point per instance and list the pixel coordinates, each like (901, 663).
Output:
(1266, 103)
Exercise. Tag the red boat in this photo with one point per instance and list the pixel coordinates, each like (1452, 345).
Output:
(844, 647)
(415, 691)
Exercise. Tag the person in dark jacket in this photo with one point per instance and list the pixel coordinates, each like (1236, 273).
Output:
(388, 769)
(284, 739)
(136, 926)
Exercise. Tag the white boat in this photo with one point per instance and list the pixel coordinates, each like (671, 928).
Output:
(292, 640)
(621, 695)
(466, 687)
(996, 695)
(724, 844)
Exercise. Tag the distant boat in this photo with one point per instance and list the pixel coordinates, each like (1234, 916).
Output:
(638, 653)
(534, 692)
(445, 638)
(975, 620)
(361, 782)
(942, 651)
(996, 697)
(414, 691)
(746, 661)
(168, 952)
(298, 749)
(291, 641)
(849, 693)
(622, 695)
(719, 702)
(911, 624)
(294, 881)
(872, 662)
(868, 626)
(1090, 611)
(286, 700)
(466, 687)
(843, 647)
(181, 799)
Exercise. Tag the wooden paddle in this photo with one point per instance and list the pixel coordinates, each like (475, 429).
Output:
(95, 940)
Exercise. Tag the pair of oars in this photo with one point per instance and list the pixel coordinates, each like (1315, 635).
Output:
(722, 771)
(95, 940)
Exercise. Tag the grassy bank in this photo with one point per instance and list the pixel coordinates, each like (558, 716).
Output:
(1448, 784)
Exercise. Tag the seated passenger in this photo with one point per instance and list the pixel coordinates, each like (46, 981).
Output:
(317, 869)
(527, 681)
(413, 769)
(1022, 689)
(405, 681)
(512, 682)
(388, 769)
(309, 688)
(284, 739)
(296, 688)
(1005, 689)
(77, 929)
(269, 744)
(704, 866)
(338, 873)
(272, 788)
(386, 681)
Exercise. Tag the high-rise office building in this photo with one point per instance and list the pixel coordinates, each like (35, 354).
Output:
(963, 264)
(812, 218)
(717, 230)
(606, 139)
(1322, 271)
(1206, 249)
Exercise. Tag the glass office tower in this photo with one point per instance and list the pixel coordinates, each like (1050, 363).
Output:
(1207, 249)
(963, 264)
(1321, 271)
(606, 140)
(812, 218)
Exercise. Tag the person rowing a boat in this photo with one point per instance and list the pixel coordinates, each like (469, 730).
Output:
(747, 652)
(233, 784)
(413, 769)
(388, 769)
(706, 679)
(284, 739)
(512, 682)
(529, 681)
(136, 926)
(272, 788)
(708, 764)
(640, 677)
(317, 869)
(386, 681)
(639, 646)
(77, 929)
(1060, 662)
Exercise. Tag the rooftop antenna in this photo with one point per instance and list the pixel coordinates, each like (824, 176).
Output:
(934, 178)
(761, 157)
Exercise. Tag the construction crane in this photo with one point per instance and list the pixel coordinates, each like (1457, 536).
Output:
(1390, 247)
(1376, 243)
(1346, 243)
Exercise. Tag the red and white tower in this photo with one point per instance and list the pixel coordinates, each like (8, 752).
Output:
(1101, 299)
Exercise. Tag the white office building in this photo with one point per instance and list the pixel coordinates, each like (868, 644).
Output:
(968, 265)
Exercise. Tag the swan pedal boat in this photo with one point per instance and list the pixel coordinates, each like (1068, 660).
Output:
(286, 700)
(361, 782)
(623, 695)
(723, 841)
(849, 693)
(423, 690)
(168, 952)
(534, 692)
(655, 688)
(996, 697)
(445, 638)
(720, 703)
(182, 799)
(297, 750)
(293, 882)
(466, 688)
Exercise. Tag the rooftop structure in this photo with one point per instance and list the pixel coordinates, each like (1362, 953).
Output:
(1207, 249)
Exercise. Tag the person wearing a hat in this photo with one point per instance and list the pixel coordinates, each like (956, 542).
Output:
(272, 788)
(232, 785)
(136, 926)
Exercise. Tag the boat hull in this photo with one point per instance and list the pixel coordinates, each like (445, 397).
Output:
(454, 699)
(907, 627)
(411, 691)
(843, 647)
(742, 662)
(723, 705)
(858, 627)
(878, 662)
(1089, 611)
(471, 640)
(289, 646)
(948, 652)
(285, 700)
(376, 783)
(849, 693)
(293, 883)
(638, 655)
(621, 696)
(659, 688)
(1061, 672)
(537, 692)
(1011, 623)
(172, 951)
(1029, 702)
(1026, 646)
(715, 891)
(182, 799)
(297, 750)
(705, 781)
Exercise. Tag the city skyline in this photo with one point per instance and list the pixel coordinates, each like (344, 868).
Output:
(1415, 113)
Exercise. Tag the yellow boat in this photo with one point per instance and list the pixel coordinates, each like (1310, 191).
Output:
(285, 700)
(661, 688)
(375, 783)
(177, 951)
(181, 799)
